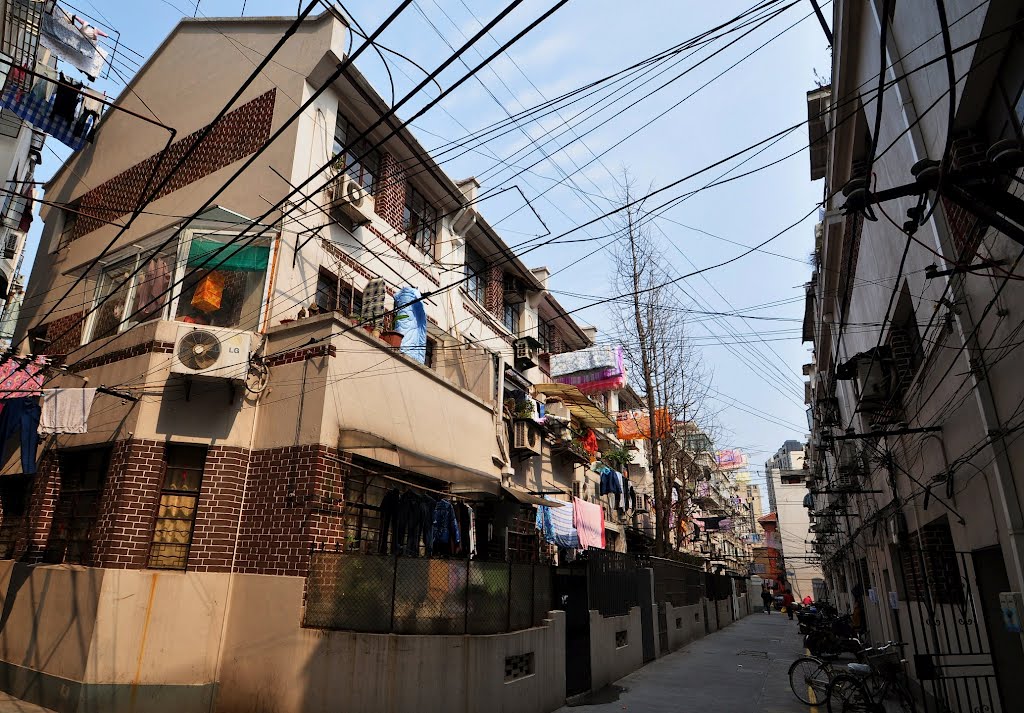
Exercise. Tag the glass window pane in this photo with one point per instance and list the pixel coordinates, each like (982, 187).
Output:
(152, 288)
(231, 295)
(114, 283)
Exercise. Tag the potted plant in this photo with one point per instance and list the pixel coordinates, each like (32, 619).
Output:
(392, 336)
(618, 458)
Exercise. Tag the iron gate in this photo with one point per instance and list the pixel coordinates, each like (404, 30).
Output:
(950, 657)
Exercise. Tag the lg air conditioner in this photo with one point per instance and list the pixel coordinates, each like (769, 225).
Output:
(211, 352)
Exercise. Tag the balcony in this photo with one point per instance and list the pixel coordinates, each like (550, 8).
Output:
(376, 402)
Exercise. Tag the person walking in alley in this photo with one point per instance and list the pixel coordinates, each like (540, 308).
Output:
(766, 597)
(788, 603)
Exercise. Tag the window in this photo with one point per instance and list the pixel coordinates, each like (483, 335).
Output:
(333, 293)
(179, 500)
(326, 291)
(429, 358)
(476, 279)
(510, 318)
(356, 158)
(14, 491)
(546, 337)
(420, 220)
(929, 566)
(224, 289)
(82, 475)
(905, 342)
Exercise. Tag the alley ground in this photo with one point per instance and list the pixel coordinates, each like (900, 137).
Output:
(742, 668)
(10, 704)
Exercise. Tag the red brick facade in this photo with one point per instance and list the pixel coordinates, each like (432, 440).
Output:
(294, 498)
(389, 200)
(63, 335)
(494, 292)
(238, 134)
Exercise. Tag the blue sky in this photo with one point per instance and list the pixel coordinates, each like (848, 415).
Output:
(583, 41)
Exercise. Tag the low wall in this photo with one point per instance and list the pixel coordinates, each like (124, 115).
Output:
(80, 639)
(610, 661)
(724, 607)
(685, 624)
(272, 665)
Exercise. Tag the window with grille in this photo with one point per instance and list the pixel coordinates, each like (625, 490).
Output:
(355, 157)
(929, 567)
(420, 220)
(476, 277)
(179, 500)
(14, 490)
(82, 476)
(334, 293)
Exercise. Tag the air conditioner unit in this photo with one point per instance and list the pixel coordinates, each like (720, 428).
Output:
(211, 352)
(845, 481)
(354, 201)
(526, 351)
(526, 437)
(875, 379)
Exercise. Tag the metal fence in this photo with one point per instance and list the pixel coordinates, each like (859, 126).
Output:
(411, 595)
(717, 586)
(612, 581)
(676, 583)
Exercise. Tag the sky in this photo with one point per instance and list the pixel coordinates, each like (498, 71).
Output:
(756, 359)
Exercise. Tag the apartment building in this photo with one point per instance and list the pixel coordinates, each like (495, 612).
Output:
(21, 147)
(251, 421)
(915, 386)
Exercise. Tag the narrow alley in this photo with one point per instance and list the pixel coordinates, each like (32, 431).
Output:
(742, 668)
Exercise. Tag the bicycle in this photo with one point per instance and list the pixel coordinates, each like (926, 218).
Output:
(809, 678)
(867, 686)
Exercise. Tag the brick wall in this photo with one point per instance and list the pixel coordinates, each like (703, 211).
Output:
(220, 502)
(294, 498)
(494, 293)
(63, 335)
(965, 229)
(238, 134)
(129, 504)
(389, 200)
(30, 542)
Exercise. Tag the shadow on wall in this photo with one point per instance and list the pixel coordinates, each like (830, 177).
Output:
(46, 629)
(209, 411)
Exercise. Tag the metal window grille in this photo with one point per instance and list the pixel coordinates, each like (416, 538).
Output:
(179, 500)
(82, 477)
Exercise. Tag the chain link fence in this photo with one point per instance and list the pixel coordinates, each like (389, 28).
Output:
(411, 595)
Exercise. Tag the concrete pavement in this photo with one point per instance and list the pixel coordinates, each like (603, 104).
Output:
(10, 704)
(742, 668)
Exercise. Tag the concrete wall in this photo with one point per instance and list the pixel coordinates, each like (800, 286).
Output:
(271, 664)
(608, 662)
(685, 624)
(87, 639)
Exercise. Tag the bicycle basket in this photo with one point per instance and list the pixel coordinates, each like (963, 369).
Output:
(886, 660)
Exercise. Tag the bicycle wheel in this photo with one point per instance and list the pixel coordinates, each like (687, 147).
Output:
(809, 678)
(848, 694)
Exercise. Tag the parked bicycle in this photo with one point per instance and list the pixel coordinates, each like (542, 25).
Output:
(809, 677)
(866, 687)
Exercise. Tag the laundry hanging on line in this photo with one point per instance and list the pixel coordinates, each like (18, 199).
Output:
(74, 41)
(21, 415)
(66, 410)
(588, 520)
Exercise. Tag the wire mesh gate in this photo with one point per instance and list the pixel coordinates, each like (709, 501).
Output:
(952, 659)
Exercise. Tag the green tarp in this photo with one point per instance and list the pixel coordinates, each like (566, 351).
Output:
(203, 253)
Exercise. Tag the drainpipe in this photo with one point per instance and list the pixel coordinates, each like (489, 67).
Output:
(1009, 499)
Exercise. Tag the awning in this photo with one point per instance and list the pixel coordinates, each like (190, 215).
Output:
(516, 379)
(529, 498)
(579, 405)
(380, 449)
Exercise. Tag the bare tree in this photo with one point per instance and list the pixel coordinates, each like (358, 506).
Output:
(652, 329)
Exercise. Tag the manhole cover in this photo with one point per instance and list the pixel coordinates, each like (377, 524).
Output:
(755, 654)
